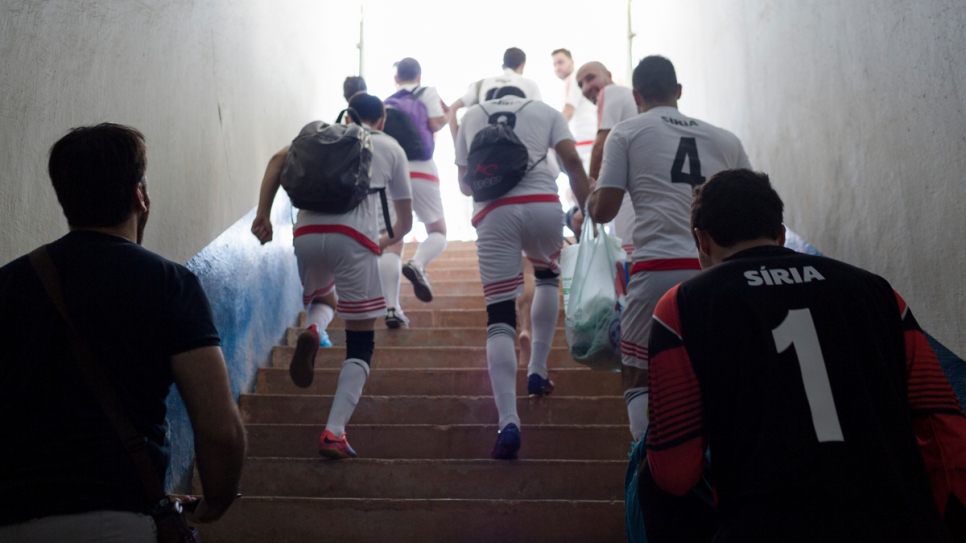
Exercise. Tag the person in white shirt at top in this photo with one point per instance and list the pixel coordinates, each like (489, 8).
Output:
(657, 157)
(514, 61)
(427, 203)
(337, 258)
(527, 219)
(581, 114)
(614, 104)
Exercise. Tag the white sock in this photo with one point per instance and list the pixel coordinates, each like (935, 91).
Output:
(351, 380)
(390, 271)
(543, 316)
(320, 315)
(637, 410)
(501, 358)
(429, 249)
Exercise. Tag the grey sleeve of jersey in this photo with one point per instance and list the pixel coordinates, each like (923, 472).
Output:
(400, 187)
(461, 148)
(614, 166)
(743, 161)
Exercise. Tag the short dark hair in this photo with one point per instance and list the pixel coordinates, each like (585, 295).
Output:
(408, 69)
(352, 85)
(95, 171)
(369, 107)
(737, 205)
(513, 58)
(654, 78)
(562, 50)
(508, 90)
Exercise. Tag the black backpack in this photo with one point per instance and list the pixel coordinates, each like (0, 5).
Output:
(327, 168)
(497, 160)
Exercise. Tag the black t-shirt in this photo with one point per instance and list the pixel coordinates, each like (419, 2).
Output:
(802, 383)
(58, 453)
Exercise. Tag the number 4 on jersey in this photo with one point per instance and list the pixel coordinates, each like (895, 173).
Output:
(687, 148)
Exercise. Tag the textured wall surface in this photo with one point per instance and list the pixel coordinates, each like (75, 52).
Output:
(858, 112)
(216, 86)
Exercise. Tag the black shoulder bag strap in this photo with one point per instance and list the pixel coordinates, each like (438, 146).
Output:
(99, 384)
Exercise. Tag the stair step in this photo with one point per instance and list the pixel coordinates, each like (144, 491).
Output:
(428, 479)
(285, 408)
(309, 520)
(434, 318)
(420, 337)
(440, 382)
(416, 357)
(456, 441)
(460, 260)
(442, 301)
(448, 288)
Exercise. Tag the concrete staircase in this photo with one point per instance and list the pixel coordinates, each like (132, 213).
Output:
(423, 430)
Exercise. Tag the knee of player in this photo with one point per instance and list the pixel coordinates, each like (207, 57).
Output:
(360, 344)
(546, 277)
(504, 312)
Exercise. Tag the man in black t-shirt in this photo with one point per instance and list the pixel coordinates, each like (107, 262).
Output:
(147, 322)
(825, 412)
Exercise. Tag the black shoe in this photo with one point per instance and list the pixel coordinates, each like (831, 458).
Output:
(417, 277)
(395, 320)
(507, 443)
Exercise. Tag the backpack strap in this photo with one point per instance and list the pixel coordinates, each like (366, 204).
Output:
(353, 114)
(417, 91)
(99, 383)
(385, 209)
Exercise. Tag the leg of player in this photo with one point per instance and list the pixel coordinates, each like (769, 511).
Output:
(524, 304)
(544, 314)
(429, 249)
(501, 361)
(360, 343)
(390, 273)
(318, 314)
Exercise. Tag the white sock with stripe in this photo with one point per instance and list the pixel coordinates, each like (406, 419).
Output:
(433, 246)
(390, 272)
(501, 358)
(637, 410)
(320, 315)
(351, 380)
(543, 316)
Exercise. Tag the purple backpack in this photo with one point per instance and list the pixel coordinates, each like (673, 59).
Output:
(408, 103)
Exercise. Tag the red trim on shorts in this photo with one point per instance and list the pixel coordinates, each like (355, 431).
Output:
(581, 143)
(308, 298)
(338, 229)
(529, 199)
(502, 287)
(666, 264)
(628, 248)
(426, 176)
(632, 349)
(363, 306)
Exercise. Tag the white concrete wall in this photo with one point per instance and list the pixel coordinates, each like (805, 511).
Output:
(216, 86)
(858, 112)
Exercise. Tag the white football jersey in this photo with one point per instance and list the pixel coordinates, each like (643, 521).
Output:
(659, 157)
(476, 92)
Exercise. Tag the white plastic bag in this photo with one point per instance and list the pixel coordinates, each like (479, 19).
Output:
(592, 319)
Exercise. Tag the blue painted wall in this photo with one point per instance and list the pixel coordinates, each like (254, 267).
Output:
(255, 293)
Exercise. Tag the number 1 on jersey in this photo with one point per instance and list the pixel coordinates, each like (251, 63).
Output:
(798, 329)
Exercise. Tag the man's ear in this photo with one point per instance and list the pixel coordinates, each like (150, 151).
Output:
(703, 241)
(381, 124)
(781, 238)
(141, 201)
(638, 99)
(678, 92)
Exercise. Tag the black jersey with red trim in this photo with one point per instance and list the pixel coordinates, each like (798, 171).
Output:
(810, 381)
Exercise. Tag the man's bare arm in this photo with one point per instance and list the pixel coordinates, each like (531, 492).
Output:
(604, 204)
(262, 226)
(464, 188)
(568, 112)
(579, 184)
(597, 153)
(436, 123)
(454, 126)
(403, 224)
(202, 380)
